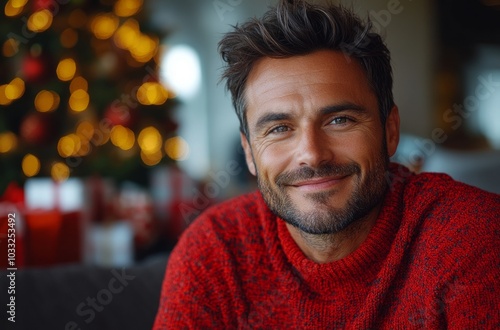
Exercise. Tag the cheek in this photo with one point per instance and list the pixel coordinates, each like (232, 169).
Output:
(364, 148)
(273, 160)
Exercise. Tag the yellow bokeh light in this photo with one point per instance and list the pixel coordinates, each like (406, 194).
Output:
(46, 101)
(144, 48)
(10, 47)
(85, 130)
(152, 93)
(104, 25)
(122, 137)
(8, 142)
(59, 171)
(149, 140)
(69, 145)
(30, 165)
(66, 69)
(15, 89)
(18, 3)
(85, 148)
(127, 34)
(177, 148)
(40, 21)
(126, 8)
(4, 100)
(78, 83)
(79, 100)
(69, 38)
(151, 159)
(11, 9)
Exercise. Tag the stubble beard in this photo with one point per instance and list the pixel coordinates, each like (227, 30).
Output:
(325, 219)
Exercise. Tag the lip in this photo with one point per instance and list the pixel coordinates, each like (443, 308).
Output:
(318, 183)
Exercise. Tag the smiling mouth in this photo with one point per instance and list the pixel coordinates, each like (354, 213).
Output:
(317, 184)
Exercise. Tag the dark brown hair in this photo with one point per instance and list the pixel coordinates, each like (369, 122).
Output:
(295, 27)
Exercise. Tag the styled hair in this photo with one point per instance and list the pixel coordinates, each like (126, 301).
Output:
(296, 27)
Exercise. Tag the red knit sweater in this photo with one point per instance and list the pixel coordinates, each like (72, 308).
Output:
(431, 261)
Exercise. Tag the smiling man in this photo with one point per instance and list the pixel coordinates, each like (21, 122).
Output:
(336, 236)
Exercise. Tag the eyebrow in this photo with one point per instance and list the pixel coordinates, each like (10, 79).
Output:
(264, 120)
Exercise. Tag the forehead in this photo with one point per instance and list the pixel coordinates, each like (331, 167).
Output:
(307, 82)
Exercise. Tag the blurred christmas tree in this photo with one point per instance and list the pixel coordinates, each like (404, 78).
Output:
(79, 91)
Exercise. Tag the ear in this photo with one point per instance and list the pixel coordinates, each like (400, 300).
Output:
(248, 154)
(392, 131)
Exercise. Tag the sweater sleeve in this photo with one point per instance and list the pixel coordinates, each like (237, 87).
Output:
(188, 299)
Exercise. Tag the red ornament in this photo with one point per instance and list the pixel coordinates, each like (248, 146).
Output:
(35, 128)
(34, 69)
(119, 113)
(43, 4)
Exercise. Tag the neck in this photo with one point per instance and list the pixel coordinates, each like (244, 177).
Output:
(332, 247)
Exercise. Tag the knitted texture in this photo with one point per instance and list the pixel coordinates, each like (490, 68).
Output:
(431, 261)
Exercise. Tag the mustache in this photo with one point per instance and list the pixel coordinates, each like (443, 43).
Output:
(325, 170)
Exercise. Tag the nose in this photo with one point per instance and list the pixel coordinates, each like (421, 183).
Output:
(313, 148)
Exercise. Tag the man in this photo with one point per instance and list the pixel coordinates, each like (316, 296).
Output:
(336, 237)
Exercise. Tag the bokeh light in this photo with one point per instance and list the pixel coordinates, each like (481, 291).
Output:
(4, 100)
(150, 140)
(66, 69)
(15, 89)
(104, 25)
(122, 137)
(152, 93)
(151, 159)
(40, 21)
(127, 34)
(177, 148)
(13, 8)
(79, 100)
(46, 101)
(10, 47)
(8, 142)
(69, 145)
(59, 171)
(126, 8)
(78, 83)
(30, 165)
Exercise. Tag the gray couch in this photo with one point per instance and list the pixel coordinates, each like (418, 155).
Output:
(84, 297)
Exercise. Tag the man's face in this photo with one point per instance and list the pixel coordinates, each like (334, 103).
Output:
(317, 144)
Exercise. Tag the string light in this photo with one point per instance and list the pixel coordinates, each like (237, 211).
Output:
(66, 69)
(8, 142)
(59, 171)
(79, 100)
(177, 148)
(40, 21)
(46, 101)
(104, 25)
(150, 140)
(30, 165)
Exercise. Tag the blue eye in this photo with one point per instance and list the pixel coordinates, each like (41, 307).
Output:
(279, 129)
(340, 120)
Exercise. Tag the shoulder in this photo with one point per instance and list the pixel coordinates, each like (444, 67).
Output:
(440, 193)
(453, 217)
